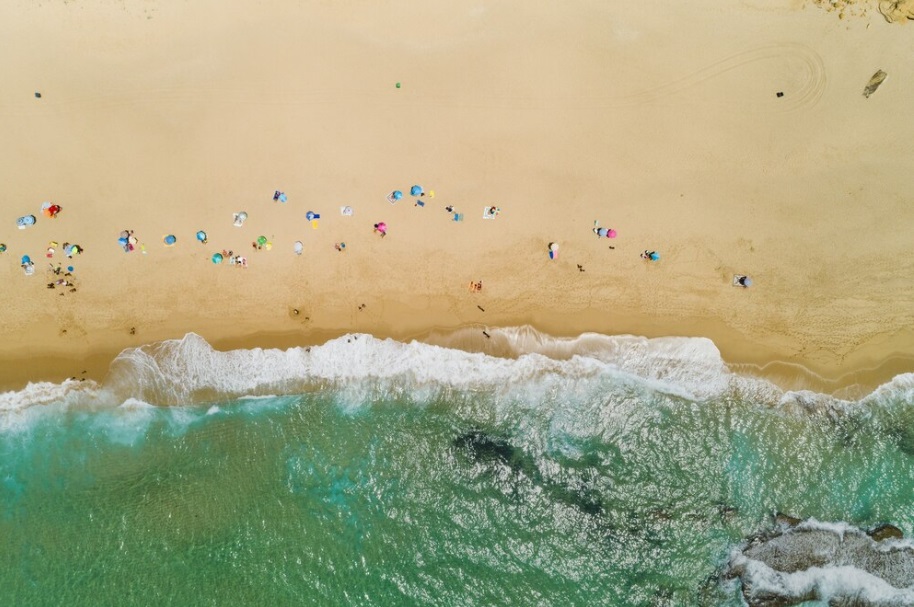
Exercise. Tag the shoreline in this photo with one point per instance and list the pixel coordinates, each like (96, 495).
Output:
(739, 355)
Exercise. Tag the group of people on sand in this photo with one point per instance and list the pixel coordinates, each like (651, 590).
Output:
(475, 286)
(235, 260)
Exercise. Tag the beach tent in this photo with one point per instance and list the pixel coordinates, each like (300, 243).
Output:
(170, 239)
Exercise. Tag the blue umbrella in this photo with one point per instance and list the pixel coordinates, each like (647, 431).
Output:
(170, 239)
(655, 256)
(397, 194)
(217, 257)
(122, 241)
(69, 268)
(416, 190)
(26, 259)
(201, 236)
(282, 197)
(746, 281)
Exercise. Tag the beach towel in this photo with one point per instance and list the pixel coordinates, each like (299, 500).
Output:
(313, 224)
(298, 247)
(346, 211)
(490, 212)
(458, 216)
(419, 203)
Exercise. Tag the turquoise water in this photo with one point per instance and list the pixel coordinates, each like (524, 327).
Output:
(561, 488)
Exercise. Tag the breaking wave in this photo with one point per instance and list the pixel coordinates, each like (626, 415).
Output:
(363, 368)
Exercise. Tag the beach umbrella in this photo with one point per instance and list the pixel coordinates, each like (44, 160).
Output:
(416, 190)
(122, 241)
(746, 281)
(217, 258)
(240, 218)
(654, 256)
(311, 216)
(170, 239)
(261, 240)
(397, 194)
(69, 268)
(381, 227)
(26, 259)
(610, 233)
(201, 236)
(298, 247)
(282, 197)
(2, 247)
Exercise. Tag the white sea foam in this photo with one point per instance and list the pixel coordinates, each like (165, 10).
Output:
(824, 583)
(362, 368)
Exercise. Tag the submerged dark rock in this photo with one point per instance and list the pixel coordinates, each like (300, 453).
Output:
(833, 563)
(484, 448)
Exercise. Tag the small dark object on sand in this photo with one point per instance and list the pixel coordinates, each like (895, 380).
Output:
(875, 82)
(133, 330)
(486, 334)
(612, 247)
(580, 268)
(481, 309)
(37, 95)
(780, 94)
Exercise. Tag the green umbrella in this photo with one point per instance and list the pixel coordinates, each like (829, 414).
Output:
(261, 240)
(217, 257)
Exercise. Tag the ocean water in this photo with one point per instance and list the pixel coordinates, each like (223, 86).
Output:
(591, 471)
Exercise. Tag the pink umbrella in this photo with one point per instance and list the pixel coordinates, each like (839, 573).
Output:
(611, 233)
(381, 227)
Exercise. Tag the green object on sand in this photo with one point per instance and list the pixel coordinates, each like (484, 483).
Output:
(261, 240)
(398, 85)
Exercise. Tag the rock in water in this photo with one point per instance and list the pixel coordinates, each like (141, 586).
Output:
(885, 532)
(874, 83)
(833, 563)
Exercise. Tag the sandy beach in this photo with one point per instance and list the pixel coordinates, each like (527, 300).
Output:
(662, 122)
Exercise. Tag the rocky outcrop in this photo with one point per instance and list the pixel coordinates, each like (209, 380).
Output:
(833, 563)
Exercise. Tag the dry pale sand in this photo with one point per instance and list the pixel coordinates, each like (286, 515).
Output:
(659, 120)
